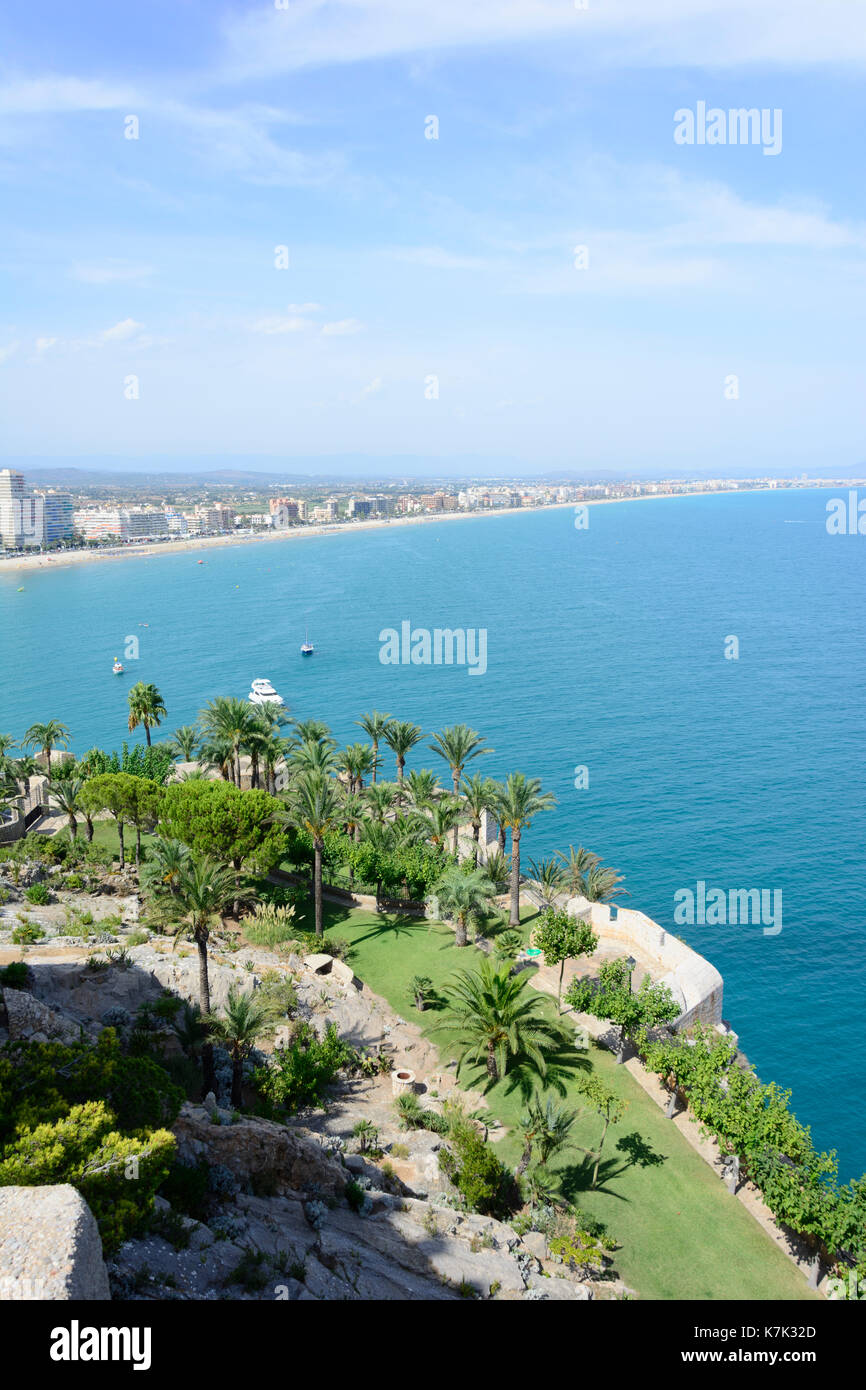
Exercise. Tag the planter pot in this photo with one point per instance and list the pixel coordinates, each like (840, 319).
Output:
(402, 1080)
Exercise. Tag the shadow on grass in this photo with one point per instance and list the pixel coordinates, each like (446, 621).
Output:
(563, 1060)
(576, 1179)
(641, 1154)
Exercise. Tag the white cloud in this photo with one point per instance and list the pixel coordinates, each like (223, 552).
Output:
(712, 33)
(43, 344)
(110, 272)
(341, 328)
(58, 95)
(286, 324)
(120, 332)
(8, 351)
(374, 386)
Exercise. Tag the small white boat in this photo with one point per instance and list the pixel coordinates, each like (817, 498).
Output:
(307, 647)
(117, 668)
(263, 693)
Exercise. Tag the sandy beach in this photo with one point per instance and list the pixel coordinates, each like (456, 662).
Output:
(148, 549)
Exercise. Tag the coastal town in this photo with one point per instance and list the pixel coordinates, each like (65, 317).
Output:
(43, 519)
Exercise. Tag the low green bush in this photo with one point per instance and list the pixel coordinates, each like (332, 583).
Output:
(484, 1183)
(299, 1073)
(15, 975)
(26, 933)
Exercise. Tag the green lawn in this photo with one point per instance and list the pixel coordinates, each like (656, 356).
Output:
(683, 1236)
(105, 834)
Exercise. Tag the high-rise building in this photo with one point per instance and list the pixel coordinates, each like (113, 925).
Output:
(22, 513)
(58, 517)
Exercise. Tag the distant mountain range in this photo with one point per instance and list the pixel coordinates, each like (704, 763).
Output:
(342, 469)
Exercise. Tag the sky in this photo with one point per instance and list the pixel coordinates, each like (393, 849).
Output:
(431, 297)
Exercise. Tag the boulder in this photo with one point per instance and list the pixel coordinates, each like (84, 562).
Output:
(267, 1155)
(49, 1245)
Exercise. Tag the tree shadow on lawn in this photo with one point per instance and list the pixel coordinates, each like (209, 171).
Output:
(576, 1178)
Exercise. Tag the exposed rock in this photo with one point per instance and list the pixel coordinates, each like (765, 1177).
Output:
(269, 1156)
(49, 1245)
(28, 1018)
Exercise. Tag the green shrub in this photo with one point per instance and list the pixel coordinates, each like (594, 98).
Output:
(26, 933)
(484, 1183)
(186, 1187)
(269, 925)
(73, 881)
(299, 1073)
(15, 975)
(138, 937)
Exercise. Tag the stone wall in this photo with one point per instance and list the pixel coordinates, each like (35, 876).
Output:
(694, 982)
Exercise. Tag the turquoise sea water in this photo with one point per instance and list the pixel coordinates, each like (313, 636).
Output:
(605, 649)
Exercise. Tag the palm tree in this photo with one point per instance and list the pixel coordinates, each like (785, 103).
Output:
(229, 720)
(495, 1017)
(380, 799)
(315, 805)
(479, 795)
(544, 1126)
(548, 878)
(166, 864)
(497, 870)
(273, 748)
(312, 755)
(218, 752)
(521, 800)
(243, 1022)
(458, 745)
(442, 819)
(374, 726)
(401, 738)
(576, 865)
(66, 795)
(184, 742)
(601, 884)
(497, 790)
(424, 787)
(146, 706)
(206, 890)
(357, 761)
(312, 731)
(463, 898)
(46, 737)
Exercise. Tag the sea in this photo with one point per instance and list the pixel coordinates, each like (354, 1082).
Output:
(686, 675)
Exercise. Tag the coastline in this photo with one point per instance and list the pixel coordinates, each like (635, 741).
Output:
(149, 549)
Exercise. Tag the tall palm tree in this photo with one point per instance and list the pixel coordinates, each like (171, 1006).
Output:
(479, 795)
(46, 737)
(184, 742)
(544, 1126)
(315, 804)
(354, 811)
(463, 898)
(273, 748)
(244, 1021)
(146, 706)
(374, 726)
(401, 738)
(312, 755)
(229, 720)
(497, 790)
(65, 793)
(218, 752)
(494, 1017)
(424, 787)
(458, 745)
(205, 891)
(521, 800)
(312, 731)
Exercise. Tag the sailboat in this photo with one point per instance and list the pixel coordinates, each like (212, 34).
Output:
(307, 647)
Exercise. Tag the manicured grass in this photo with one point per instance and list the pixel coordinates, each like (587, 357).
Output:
(683, 1236)
(105, 834)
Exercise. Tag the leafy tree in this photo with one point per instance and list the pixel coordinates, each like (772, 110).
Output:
(116, 793)
(611, 997)
(494, 1017)
(232, 826)
(519, 802)
(562, 938)
(46, 737)
(154, 763)
(463, 898)
(146, 707)
(483, 1181)
(609, 1107)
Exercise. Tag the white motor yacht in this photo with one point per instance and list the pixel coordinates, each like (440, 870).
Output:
(263, 693)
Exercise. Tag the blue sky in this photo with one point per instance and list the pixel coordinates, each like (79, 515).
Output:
(412, 258)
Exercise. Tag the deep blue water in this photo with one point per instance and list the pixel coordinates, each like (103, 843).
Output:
(606, 648)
